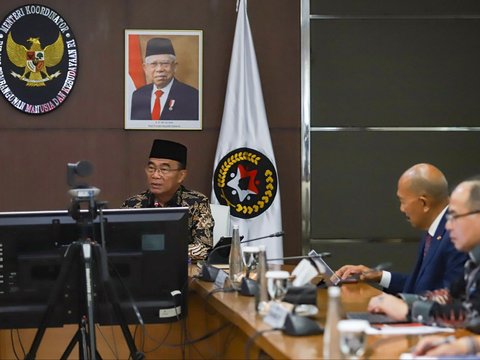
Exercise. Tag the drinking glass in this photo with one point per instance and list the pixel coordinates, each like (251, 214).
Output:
(250, 259)
(277, 282)
(353, 338)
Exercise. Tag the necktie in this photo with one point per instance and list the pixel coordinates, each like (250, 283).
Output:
(428, 241)
(157, 108)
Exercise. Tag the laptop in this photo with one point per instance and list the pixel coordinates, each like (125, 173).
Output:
(329, 275)
(220, 253)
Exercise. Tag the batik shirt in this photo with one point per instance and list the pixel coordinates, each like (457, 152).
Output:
(200, 220)
(458, 306)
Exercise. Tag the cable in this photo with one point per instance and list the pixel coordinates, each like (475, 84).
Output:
(207, 335)
(159, 343)
(183, 327)
(129, 294)
(114, 350)
(13, 345)
(217, 290)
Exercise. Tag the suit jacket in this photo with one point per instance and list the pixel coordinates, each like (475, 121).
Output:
(442, 265)
(182, 103)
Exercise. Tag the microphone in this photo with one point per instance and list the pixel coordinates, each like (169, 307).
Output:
(209, 273)
(224, 246)
(277, 234)
(322, 255)
(249, 287)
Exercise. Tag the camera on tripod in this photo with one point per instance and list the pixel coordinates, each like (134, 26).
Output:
(81, 193)
(90, 266)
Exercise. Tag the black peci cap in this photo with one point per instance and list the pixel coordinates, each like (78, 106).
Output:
(159, 46)
(165, 149)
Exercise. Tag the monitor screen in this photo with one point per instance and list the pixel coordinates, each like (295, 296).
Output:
(147, 262)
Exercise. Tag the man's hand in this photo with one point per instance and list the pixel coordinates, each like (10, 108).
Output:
(390, 305)
(441, 346)
(362, 272)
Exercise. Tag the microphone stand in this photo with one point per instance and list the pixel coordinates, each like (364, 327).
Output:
(249, 287)
(209, 273)
(322, 255)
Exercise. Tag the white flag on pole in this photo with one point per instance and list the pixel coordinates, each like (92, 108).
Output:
(245, 175)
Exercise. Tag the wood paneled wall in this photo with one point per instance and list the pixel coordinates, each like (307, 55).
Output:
(34, 150)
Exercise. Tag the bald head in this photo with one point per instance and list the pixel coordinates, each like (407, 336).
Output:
(426, 179)
(423, 194)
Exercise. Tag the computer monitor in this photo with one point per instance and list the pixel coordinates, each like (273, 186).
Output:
(147, 261)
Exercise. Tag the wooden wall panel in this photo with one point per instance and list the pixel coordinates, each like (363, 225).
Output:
(34, 150)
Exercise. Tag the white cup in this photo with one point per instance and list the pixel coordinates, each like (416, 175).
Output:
(353, 338)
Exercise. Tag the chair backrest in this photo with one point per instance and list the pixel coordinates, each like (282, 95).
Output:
(221, 215)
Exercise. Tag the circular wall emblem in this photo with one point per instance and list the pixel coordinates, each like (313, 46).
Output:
(245, 180)
(38, 59)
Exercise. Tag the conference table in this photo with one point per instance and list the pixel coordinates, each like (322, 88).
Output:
(220, 325)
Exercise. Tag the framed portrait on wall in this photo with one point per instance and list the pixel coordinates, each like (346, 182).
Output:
(163, 79)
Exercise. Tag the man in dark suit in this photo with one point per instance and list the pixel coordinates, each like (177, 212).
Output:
(166, 98)
(423, 194)
(458, 306)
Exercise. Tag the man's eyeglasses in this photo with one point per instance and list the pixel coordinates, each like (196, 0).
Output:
(164, 170)
(452, 217)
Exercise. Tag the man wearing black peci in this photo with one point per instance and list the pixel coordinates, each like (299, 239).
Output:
(166, 98)
(166, 171)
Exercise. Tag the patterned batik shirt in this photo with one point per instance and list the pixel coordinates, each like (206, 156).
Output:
(200, 220)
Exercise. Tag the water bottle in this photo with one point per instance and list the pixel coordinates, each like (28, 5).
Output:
(261, 296)
(331, 337)
(235, 261)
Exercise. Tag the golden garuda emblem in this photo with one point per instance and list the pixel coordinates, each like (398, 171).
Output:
(35, 60)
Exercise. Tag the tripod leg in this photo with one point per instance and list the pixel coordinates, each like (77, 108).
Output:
(72, 250)
(87, 256)
(77, 338)
(81, 338)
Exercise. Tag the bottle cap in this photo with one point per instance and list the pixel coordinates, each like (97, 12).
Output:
(334, 291)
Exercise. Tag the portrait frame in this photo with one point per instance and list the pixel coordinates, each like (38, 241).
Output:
(179, 110)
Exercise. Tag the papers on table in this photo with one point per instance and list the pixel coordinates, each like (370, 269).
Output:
(407, 329)
(410, 356)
